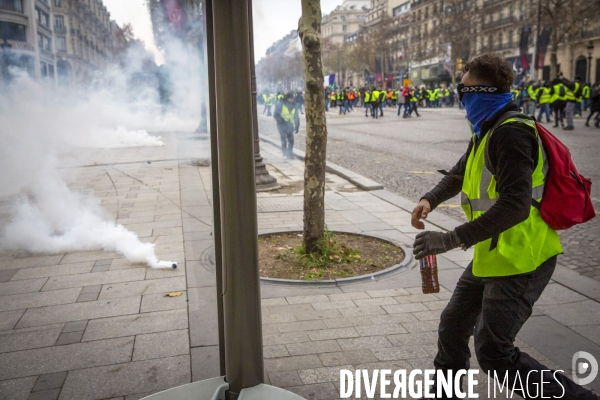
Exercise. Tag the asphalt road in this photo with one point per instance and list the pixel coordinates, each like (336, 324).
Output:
(404, 155)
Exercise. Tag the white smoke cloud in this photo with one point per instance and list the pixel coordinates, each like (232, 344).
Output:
(40, 124)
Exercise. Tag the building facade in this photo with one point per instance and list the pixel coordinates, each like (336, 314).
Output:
(62, 41)
(344, 21)
(433, 38)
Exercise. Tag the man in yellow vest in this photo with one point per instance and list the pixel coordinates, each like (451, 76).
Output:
(367, 102)
(558, 100)
(586, 93)
(573, 93)
(500, 178)
(268, 101)
(288, 123)
(543, 96)
(375, 103)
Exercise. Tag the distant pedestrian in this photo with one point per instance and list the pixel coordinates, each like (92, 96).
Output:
(300, 101)
(414, 102)
(400, 101)
(288, 123)
(594, 107)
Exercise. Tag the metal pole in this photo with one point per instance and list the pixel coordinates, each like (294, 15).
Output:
(214, 155)
(537, 43)
(242, 313)
(264, 180)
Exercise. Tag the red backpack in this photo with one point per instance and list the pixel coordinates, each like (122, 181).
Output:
(566, 200)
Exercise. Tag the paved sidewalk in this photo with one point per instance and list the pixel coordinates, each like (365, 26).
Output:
(91, 325)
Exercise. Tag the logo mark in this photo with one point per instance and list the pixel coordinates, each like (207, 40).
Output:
(584, 363)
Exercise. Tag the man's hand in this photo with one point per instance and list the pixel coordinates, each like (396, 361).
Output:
(296, 131)
(429, 243)
(420, 212)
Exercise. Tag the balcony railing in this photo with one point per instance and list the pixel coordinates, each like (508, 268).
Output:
(489, 3)
(417, 3)
(12, 5)
(590, 34)
(60, 29)
(503, 46)
(498, 23)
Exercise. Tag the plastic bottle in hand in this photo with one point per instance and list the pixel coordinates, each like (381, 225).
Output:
(429, 274)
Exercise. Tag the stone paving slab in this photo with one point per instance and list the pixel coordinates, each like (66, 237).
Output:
(65, 358)
(148, 376)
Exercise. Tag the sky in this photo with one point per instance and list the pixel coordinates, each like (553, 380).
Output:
(273, 19)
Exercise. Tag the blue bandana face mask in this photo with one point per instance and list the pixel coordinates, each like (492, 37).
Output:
(482, 106)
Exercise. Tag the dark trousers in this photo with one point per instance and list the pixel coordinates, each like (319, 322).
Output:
(595, 118)
(544, 110)
(414, 107)
(559, 114)
(287, 144)
(367, 109)
(493, 310)
(400, 105)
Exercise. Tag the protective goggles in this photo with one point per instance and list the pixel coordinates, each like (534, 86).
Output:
(462, 89)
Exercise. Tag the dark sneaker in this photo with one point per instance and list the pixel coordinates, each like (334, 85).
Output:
(568, 128)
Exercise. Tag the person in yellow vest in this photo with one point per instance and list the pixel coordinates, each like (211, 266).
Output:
(414, 102)
(529, 99)
(268, 101)
(586, 93)
(394, 97)
(375, 101)
(438, 97)
(558, 100)
(543, 96)
(333, 98)
(499, 178)
(367, 102)
(288, 123)
(573, 93)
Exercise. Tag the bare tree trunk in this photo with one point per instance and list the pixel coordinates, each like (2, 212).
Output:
(309, 28)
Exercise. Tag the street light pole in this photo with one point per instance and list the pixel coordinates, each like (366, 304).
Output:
(241, 292)
(590, 49)
(264, 180)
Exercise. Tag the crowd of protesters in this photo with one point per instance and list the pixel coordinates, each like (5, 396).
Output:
(560, 97)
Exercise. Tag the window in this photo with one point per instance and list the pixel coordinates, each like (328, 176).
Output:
(44, 42)
(41, 17)
(12, 5)
(12, 31)
(61, 43)
(344, 28)
(510, 38)
(401, 9)
(59, 22)
(43, 69)
(57, 3)
(343, 17)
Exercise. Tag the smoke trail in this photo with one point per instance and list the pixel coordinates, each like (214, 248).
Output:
(51, 218)
(41, 125)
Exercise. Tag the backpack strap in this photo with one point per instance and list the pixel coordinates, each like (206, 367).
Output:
(500, 121)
